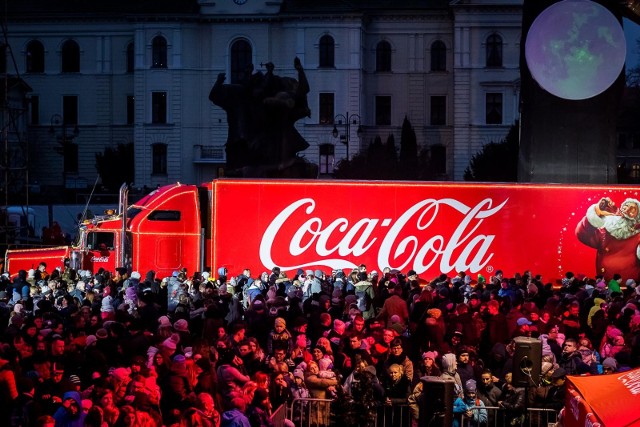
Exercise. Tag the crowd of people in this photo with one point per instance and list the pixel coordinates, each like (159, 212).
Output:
(217, 349)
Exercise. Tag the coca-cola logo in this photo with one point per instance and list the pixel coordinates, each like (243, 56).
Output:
(99, 259)
(631, 382)
(408, 242)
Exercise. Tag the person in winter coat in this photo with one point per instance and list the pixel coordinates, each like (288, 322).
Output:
(449, 366)
(70, 413)
(469, 409)
(398, 356)
(365, 294)
(234, 416)
(394, 305)
(259, 412)
(280, 337)
(231, 378)
(319, 388)
(396, 385)
(513, 402)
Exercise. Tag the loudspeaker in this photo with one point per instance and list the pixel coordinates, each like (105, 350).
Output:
(527, 361)
(436, 402)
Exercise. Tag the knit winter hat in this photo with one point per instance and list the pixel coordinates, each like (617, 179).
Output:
(339, 326)
(102, 334)
(430, 355)
(610, 363)
(171, 343)
(181, 325)
(164, 321)
(470, 386)
(546, 367)
(121, 374)
(280, 322)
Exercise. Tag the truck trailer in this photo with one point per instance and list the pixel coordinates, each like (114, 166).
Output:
(433, 228)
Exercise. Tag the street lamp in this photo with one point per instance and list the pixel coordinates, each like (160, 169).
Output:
(67, 149)
(348, 119)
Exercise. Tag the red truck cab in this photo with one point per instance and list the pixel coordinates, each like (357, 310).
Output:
(162, 232)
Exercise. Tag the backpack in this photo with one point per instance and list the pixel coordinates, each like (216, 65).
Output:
(364, 299)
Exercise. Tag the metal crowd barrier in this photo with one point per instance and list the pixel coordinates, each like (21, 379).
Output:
(498, 417)
(279, 415)
(317, 412)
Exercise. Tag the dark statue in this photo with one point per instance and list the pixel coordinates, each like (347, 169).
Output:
(261, 113)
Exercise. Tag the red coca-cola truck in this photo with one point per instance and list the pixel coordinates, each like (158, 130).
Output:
(432, 228)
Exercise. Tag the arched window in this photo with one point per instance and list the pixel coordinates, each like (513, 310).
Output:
(159, 52)
(438, 56)
(70, 57)
(383, 56)
(241, 58)
(130, 59)
(494, 51)
(327, 51)
(35, 57)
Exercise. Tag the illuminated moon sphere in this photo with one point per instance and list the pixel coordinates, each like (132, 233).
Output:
(575, 49)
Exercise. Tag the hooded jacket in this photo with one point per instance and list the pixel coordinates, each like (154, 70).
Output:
(234, 418)
(64, 418)
(449, 364)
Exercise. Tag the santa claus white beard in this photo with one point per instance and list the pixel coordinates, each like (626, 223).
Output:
(619, 227)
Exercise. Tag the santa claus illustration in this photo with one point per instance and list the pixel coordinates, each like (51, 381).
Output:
(613, 233)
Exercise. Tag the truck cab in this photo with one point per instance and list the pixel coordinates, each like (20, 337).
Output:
(161, 232)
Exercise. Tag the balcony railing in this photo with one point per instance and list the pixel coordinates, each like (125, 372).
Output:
(209, 154)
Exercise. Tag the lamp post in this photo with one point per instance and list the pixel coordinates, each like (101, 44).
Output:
(67, 148)
(348, 119)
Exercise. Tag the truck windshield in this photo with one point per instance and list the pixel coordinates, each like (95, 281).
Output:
(100, 240)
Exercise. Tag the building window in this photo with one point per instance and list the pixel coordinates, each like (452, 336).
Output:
(327, 51)
(159, 107)
(383, 56)
(70, 57)
(635, 171)
(327, 158)
(326, 108)
(438, 159)
(35, 57)
(34, 105)
(159, 52)
(130, 58)
(159, 155)
(438, 110)
(131, 109)
(241, 59)
(494, 108)
(383, 110)
(622, 141)
(494, 51)
(70, 158)
(70, 110)
(438, 56)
